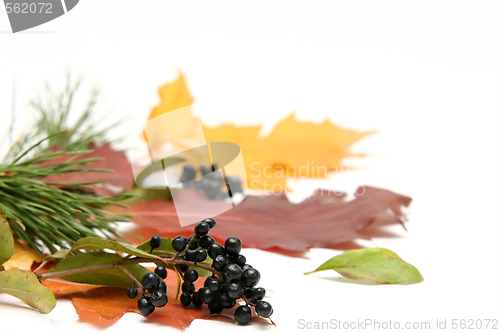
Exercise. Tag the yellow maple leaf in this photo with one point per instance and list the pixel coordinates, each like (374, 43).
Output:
(22, 258)
(174, 95)
(179, 132)
(292, 149)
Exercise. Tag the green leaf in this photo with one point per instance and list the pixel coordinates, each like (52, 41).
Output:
(25, 286)
(376, 264)
(6, 241)
(97, 243)
(107, 277)
(166, 248)
(58, 255)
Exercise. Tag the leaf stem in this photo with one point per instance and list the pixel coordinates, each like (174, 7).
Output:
(129, 261)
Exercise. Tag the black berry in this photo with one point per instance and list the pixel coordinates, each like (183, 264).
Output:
(220, 262)
(234, 290)
(179, 243)
(250, 277)
(201, 229)
(194, 245)
(226, 301)
(213, 285)
(240, 260)
(232, 273)
(150, 280)
(210, 222)
(215, 249)
(196, 299)
(132, 292)
(246, 266)
(186, 299)
(188, 287)
(203, 170)
(159, 299)
(256, 294)
(211, 278)
(205, 242)
(162, 286)
(243, 314)
(200, 255)
(188, 173)
(207, 296)
(191, 275)
(145, 306)
(263, 309)
(190, 255)
(155, 242)
(161, 271)
(182, 267)
(215, 307)
(235, 184)
(233, 245)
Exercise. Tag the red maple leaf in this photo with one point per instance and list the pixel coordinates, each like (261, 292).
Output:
(274, 223)
(118, 180)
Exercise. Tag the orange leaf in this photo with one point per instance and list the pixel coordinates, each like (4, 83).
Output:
(293, 149)
(103, 306)
(177, 131)
(63, 288)
(174, 95)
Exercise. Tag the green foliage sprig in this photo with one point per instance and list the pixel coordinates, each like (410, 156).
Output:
(46, 215)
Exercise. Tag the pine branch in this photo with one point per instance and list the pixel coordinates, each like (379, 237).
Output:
(46, 215)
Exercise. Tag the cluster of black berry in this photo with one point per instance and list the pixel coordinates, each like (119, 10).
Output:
(212, 184)
(154, 292)
(233, 277)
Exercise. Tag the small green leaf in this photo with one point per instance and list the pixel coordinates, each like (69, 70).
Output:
(376, 264)
(164, 249)
(107, 277)
(97, 243)
(201, 271)
(58, 255)
(6, 241)
(25, 286)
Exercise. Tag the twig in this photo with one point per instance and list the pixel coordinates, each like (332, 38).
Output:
(162, 259)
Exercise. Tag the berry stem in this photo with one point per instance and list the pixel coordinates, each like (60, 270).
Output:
(133, 278)
(168, 260)
(247, 301)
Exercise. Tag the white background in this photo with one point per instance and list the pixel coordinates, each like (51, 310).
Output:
(425, 75)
